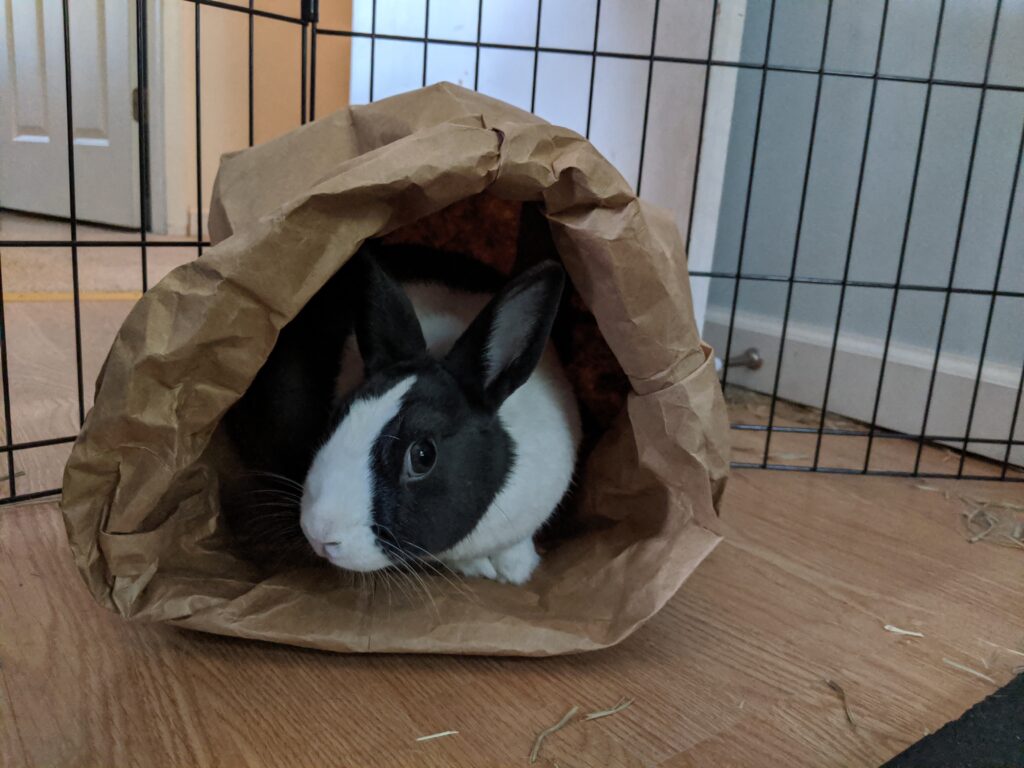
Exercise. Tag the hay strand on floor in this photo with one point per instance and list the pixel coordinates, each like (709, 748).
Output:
(1001, 647)
(548, 731)
(969, 671)
(997, 522)
(613, 710)
(440, 735)
(898, 631)
(977, 533)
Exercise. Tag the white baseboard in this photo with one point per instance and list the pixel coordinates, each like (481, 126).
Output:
(855, 379)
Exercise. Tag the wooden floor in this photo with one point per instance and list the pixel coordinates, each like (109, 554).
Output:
(731, 673)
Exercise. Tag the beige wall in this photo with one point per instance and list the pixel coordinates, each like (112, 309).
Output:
(224, 55)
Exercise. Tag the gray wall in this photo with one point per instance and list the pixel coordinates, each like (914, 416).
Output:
(782, 153)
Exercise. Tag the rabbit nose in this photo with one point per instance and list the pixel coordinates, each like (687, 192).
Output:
(324, 548)
(332, 548)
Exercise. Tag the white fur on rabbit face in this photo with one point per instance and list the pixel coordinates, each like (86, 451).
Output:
(337, 501)
(459, 458)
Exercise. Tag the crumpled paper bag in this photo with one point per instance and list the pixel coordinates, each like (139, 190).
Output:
(140, 497)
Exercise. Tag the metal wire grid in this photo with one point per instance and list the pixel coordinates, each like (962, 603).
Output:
(307, 25)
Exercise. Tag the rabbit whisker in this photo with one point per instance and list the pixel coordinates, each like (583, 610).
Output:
(432, 563)
(432, 558)
(436, 567)
(426, 590)
(392, 577)
(276, 476)
(407, 587)
(387, 586)
(278, 503)
(413, 578)
(285, 492)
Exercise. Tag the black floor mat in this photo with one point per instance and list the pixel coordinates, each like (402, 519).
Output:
(989, 735)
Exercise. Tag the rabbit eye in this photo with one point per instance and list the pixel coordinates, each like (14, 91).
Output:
(420, 458)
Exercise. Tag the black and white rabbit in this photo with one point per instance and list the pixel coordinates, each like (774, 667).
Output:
(454, 431)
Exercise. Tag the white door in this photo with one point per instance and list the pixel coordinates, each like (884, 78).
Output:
(33, 136)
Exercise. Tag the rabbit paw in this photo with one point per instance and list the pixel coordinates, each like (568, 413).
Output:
(514, 565)
(478, 566)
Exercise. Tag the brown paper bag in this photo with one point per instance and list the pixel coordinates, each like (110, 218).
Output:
(140, 489)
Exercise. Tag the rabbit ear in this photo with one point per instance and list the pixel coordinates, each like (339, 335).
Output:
(386, 325)
(499, 351)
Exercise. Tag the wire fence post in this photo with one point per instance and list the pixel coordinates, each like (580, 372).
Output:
(311, 17)
(73, 213)
(12, 487)
(199, 130)
(142, 116)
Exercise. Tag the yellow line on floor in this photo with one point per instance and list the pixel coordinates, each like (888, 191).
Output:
(26, 296)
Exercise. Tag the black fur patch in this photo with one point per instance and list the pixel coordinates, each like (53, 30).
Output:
(475, 456)
(526, 307)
